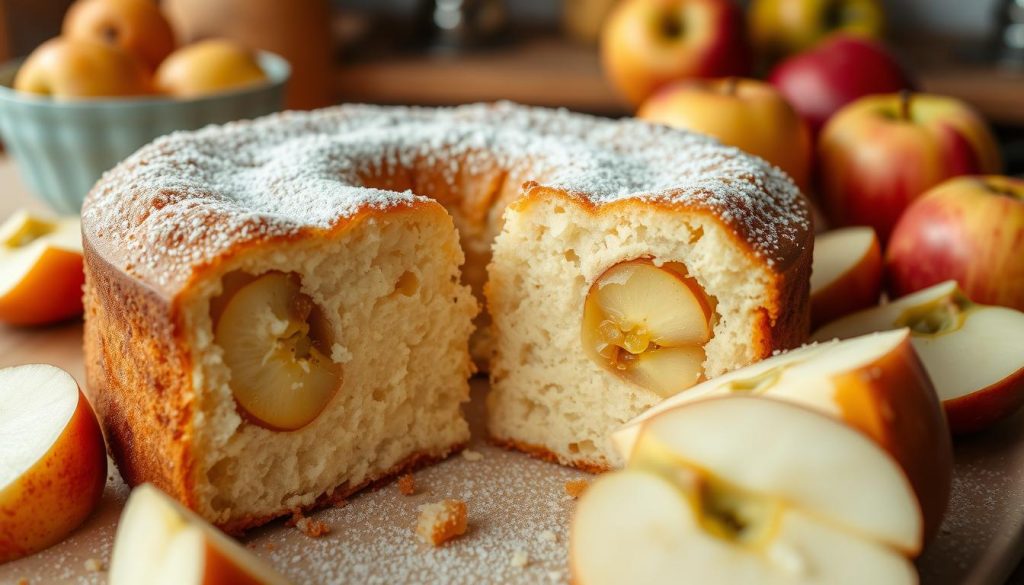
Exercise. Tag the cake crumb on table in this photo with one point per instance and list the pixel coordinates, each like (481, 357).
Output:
(575, 487)
(407, 485)
(548, 536)
(93, 565)
(520, 558)
(308, 526)
(442, 521)
(471, 455)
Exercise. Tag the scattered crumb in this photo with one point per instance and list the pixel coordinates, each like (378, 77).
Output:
(93, 565)
(407, 485)
(575, 487)
(548, 536)
(471, 455)
(520, 558)
(441, 521)
(308, 526)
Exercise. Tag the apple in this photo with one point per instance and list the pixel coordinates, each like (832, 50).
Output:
(820, 81)
(780, 494)
(53, 464)
(874, 383)
(846, 274)
(881, 152)
(647, 43)
(782, 27)
(974, 353)
(748, 114)
(160, 542)
(66, 68)
(137, 26)
(41, 273)
(208, 67)
(968, 229)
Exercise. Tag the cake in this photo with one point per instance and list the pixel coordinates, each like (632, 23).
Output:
(276, 316)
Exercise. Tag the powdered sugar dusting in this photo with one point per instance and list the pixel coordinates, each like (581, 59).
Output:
(191, 196)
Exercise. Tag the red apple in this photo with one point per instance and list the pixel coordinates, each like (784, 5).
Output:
(782, 27)
(881, 152)
(968, 229)
(746, 113)
(647, 43)
(818, 82)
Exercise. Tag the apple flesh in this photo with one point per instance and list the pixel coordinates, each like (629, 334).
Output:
(973, 353)
(41, 274)
(874, 383)
(53, 464)
(968, 229)
(648, 43)
(746, 113)
(817, 503)
(846, 275)
(160, 542)
(820, 81)
(879, 153)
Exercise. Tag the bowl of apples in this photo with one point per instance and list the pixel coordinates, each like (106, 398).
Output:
(115, 80)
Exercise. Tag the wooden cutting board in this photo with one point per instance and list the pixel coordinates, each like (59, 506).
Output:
(519, 512)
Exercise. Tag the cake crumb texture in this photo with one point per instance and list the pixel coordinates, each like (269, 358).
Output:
(442, 521)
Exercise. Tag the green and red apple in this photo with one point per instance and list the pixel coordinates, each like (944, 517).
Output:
(648, 43)
(968, 229)
(878, 154)
(746, 113)
(784, 27)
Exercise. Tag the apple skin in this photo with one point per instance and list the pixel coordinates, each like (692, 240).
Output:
(49, 293)
(783, 27)
(137, 26)
(879, 153)
(858, 288)
(746, 113)
(647, 43)
(820, 81)
(58, 493)
(79, 68)
(208, 67)
(968, 229)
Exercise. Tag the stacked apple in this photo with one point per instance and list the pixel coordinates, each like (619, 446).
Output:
(120, 48)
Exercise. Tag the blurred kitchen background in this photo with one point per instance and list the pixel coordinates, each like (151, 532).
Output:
(544, 52)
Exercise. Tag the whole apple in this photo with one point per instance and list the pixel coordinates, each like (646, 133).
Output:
(647, 43)
(818, 82)
(748, 114)
(783, 27)
(881, 152)
(969, 229)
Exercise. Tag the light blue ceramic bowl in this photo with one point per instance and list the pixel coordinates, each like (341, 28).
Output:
(62, 147)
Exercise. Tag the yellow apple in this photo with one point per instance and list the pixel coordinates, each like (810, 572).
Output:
(41, 274)
(748, 114)
(137, 26)
(780, 28)
(208, 67)
(67, 68)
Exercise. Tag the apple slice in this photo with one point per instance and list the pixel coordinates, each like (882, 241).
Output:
(973, 353)
(53, 465)
(875, 383)
(785, 495)
(648, 324)
(160, 542)
(277, 344)
(846, 275)
(41, 273)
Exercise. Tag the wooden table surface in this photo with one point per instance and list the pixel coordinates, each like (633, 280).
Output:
(980, 543)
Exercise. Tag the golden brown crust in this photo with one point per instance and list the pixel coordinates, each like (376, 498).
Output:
(545, 454)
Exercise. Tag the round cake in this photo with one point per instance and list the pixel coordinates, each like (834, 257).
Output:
(276, 315)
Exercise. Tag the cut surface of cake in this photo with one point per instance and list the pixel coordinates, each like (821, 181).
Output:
(276, 317)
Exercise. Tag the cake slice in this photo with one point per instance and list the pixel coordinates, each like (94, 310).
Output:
(605, 305)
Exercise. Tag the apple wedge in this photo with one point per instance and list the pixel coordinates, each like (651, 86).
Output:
(159, 542)
(846, 275)
(974, 353)
(648, 324)
(874, 383)
(41, 273)
(53, 464)
(784, 495)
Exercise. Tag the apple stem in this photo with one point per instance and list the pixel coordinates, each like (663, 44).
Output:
(905, 96)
